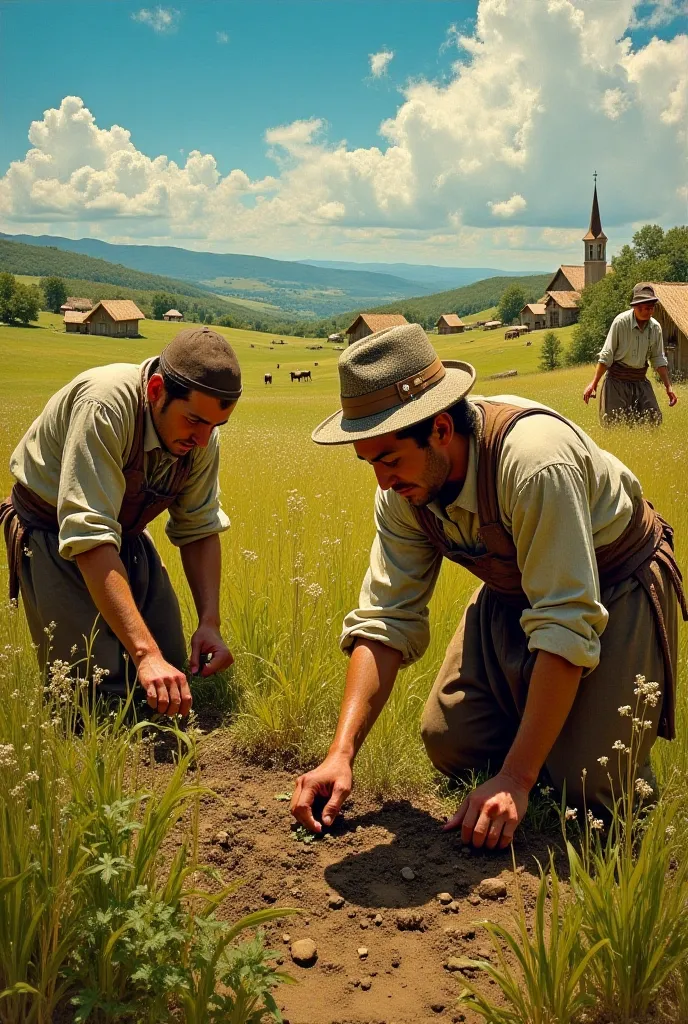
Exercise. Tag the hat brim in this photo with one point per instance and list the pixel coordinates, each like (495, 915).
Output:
(455, 385)
(642, 302)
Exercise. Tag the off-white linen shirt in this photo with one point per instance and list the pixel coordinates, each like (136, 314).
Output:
(74, 453)
(626, 343)
(560, 497)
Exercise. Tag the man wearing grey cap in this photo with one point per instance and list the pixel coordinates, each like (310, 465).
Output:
(112, 450)
(634, 341)
(579, 587)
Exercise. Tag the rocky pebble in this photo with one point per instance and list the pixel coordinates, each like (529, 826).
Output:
(362, 952)
(336, 902)
(366, 983)
(445, 898)
(408, 874)
(304, 952)
(410, 921)
(492, 889)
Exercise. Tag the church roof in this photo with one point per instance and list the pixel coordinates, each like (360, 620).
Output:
(567, 300)
(575, 277)
(595, 232)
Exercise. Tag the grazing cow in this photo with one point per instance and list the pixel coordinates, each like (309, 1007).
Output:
(306, 375)
(295, 375)
(315, 364)
(278, 366)
(268, 378)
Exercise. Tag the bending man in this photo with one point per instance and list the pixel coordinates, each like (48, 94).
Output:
(633, 341)
(112, 450)
(579, 590)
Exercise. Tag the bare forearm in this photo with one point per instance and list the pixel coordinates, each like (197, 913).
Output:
(600, 371)
(372, 671)
(106, 578)
(664, 377)
(202, 562)
(552, 691)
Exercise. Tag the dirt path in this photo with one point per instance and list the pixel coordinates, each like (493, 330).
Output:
(354, 897)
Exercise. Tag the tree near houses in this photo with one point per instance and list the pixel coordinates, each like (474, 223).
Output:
(511, 303)
(550, 354)
(160, 303)
(54, 293)
(655, 255)
(19, 302)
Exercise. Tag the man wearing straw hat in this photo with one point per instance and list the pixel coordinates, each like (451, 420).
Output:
(579, 586)
(634, 341)
(112, 450)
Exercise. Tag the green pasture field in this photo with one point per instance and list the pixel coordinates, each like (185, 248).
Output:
(302, 522)
(94, 910)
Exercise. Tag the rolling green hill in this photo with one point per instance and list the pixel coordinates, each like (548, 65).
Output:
(472, 298)
(97, 279)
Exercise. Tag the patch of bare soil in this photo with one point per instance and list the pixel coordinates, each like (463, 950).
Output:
(390, 902)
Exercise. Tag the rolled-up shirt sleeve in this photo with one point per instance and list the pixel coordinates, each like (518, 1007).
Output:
(196, 511)
(403, 571)
(608, 350)
(92, 481)
(552, 530)
(656, 353)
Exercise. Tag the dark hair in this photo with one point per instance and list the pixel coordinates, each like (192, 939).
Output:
(175, 391)
(464, 418)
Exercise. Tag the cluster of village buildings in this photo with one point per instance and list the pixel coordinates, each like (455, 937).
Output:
(558, 307)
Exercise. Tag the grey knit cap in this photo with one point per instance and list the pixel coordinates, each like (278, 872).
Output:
(203, 360)
(391, 380)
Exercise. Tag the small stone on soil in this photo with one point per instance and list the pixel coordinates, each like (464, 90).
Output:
(351, 914)
(474, 901)
(286, 938)
(336, 902)
(445, 898)
(454, 906)
(304, 952)
(492, 889)
(222, 839)
(377, 919)
(366, 983)
(410, 921)
(437, 1007)
(396, 961)
(364, 924)
(408, 874)
(362, 952)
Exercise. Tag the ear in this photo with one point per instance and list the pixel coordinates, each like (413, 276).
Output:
(155, 388)
(444, 429)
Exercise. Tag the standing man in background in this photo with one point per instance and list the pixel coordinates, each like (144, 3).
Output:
(112, 450)
(634, 340)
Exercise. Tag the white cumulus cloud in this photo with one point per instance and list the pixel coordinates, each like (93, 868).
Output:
(493, 159)
(160, 19)
(222, 37)
(379, 62)
(508, 207)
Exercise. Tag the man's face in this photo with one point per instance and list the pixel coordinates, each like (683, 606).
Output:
(186, 423)
(417, 474)
(643, 311)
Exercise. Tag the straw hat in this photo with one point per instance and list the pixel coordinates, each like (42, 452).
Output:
(389, 381)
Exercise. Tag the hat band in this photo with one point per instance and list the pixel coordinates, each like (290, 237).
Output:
(194, 385)
(394, 395)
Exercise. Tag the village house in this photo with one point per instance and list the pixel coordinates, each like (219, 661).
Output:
(173, 314)
(449, 323)
(110, 318)
(672, 313)
(74, 303)
(533, 316)
(369, 323)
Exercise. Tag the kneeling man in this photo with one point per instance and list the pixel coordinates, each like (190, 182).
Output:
(579, 586)
(113, 449)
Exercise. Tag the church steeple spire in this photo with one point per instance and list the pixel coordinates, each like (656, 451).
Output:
(595, 244)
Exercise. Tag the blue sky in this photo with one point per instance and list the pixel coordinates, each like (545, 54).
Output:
(471, 137)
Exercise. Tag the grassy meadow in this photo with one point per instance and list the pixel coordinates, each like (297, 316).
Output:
(293, 562)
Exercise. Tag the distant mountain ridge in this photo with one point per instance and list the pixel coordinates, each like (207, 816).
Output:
(297, 289)
(424, 275)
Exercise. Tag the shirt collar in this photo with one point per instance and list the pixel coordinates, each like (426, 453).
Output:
(150, 434)
(467, 498)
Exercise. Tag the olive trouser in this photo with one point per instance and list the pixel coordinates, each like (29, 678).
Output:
(628, 401)
(53, 590)
(475, 706)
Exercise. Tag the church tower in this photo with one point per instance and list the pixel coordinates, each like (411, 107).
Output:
(595, 243)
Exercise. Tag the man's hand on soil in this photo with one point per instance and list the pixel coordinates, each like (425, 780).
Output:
(207, 641)
(167, 689)
(490, 815)
(332, 779)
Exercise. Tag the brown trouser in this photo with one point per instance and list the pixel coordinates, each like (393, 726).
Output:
(628, 401)
(53, 590)
(475, 706)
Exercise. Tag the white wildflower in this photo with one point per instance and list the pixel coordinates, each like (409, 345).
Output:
(7, 756)
(643, 789)
(545, 790)
(314, 590)
(584, 772)
(34, 830)
(625, 710)
(18, 790)
(595, 823)
(32, 777)
(603, 761)
(571, 813)
(618, 745)
(249, 556)
(669, 831)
